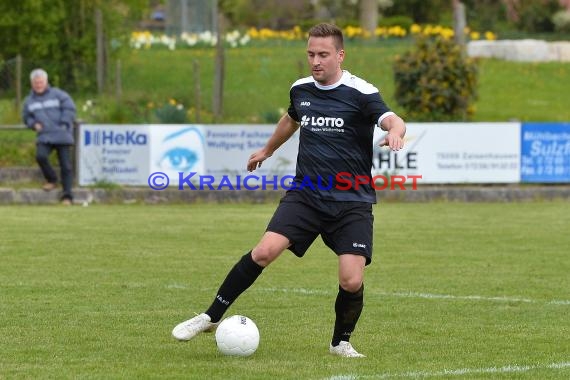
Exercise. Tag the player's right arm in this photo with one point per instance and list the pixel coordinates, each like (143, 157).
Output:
(286, 127)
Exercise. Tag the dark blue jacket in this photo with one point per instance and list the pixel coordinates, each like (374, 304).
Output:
(55, 111)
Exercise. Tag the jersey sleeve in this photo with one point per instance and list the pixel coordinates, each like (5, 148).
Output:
(373, 106)
(291, 110)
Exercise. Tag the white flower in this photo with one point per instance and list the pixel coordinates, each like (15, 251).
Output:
(207, 37)
(231, 37)
(189, 39)
(245, 39)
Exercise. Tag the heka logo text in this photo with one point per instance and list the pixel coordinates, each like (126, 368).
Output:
(322, 121)
(114, 138)
(306, 104)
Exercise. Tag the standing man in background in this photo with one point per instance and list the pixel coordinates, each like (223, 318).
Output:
(50, 112)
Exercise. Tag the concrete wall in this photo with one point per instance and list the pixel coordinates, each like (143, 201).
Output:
(521, 50)
(453, 193)
(11, 192)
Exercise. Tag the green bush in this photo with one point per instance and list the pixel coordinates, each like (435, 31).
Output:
(17, 147)
(403, 21)
(108, 110)
(561, 21)
(421, 11)
(484, 14)
(536, 16)
(171, 113)
(8, 112)
(436, 81)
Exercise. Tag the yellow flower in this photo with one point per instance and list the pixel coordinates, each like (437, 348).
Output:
(475, 35)
(397, 31)
(447, 33)
(297, 32)
(253, 33)
(415, 29)
(380, 31)
(490, 36)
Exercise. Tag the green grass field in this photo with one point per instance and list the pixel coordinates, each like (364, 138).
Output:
(455, 290)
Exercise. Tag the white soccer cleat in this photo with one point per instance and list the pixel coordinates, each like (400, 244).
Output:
(345, 350)
(192, 327)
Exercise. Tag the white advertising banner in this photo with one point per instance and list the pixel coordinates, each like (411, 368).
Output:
(454, 153)
(438, 152)
(113, 154)
(229, 147)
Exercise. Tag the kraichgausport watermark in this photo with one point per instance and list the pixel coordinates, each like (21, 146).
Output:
(343, 181)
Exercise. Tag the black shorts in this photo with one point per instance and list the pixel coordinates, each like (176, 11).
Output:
(345, 227)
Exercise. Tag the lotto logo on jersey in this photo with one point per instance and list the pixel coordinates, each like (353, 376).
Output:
(322, 121)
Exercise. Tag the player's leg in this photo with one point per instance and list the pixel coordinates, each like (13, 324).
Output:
(240, 277)
(350, 237)
(290, 227)
(349, 303)
(42, 158)
(246, 271)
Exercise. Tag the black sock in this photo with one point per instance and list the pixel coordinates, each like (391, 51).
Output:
(240, 277)
(347, 307)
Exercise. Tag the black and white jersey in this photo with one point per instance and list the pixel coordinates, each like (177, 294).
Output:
(336, 130)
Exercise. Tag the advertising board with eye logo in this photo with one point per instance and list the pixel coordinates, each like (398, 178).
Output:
(176, 149)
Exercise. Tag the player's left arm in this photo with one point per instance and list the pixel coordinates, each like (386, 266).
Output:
(396, 128)
(286, 127)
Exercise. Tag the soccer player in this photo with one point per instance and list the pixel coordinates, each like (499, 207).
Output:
(336, 113)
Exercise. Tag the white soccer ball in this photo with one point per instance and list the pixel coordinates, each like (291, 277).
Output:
(237, 336)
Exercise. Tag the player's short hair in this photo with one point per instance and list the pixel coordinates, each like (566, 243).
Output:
(41, 73)
(328, 30)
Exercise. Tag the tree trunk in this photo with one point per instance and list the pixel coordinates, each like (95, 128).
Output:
(459, 22)
(369, 15)
(100, 51)
(219, 68)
